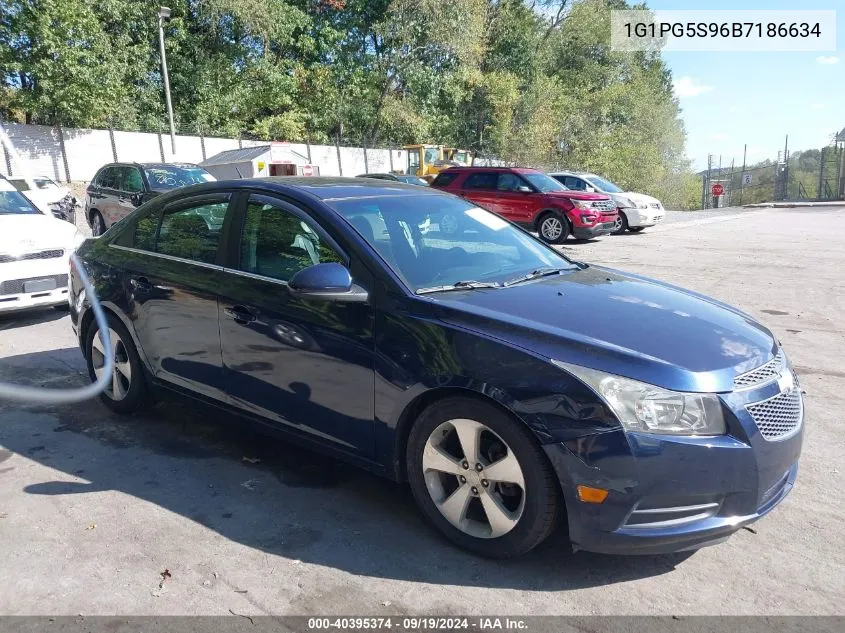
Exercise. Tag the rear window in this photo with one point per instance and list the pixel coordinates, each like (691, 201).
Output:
(165, 177)
(444, 179)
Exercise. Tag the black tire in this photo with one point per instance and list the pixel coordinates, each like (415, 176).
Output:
(135, 398)
(62, 307)
(98, 224)
(622, 225)
(636, 229)
(543, 504)
(551, 237)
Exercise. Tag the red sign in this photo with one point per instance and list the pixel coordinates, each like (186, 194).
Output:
(717, 189)
(307, 170)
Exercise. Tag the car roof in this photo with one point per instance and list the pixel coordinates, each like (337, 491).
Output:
(319, 187)
(148, 165)
(520, 170)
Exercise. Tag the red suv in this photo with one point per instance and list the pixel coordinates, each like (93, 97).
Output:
(531, 199)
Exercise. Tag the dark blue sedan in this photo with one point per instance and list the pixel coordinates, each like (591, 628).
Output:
(481, 366)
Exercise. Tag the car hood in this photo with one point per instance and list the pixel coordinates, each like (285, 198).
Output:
(638, 198)
(619, 323)
(33, 232)
(578, 195)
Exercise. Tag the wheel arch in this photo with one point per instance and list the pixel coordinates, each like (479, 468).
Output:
(427, 398)
(560, 212)
(87, 321)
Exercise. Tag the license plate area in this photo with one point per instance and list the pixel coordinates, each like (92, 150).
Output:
(39, 285)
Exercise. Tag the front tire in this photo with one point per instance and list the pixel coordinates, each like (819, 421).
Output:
(481, 479)
(621, 224)
(553, 228)
(127, 389)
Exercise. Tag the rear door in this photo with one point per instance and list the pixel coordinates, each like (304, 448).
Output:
(103, 196)
(306, 364)
(480, 188)
(172, 277)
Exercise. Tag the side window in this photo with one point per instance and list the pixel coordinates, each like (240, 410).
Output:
(192, 232)
(481, 180)
(508, 182)
(444, 179)
(145, 231)
(107, 178)
(575, 184)
(132, 181)
(278, 244)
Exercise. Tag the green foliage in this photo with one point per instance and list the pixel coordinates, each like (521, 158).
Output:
(532, 82)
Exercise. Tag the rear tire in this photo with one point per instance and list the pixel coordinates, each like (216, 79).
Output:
(636, 229)
(498, 497)
(127, 389)
(553, 228)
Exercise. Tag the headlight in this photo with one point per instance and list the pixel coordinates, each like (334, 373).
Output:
(625, 202)
(648, 409)
(642, 205)
(581, 204)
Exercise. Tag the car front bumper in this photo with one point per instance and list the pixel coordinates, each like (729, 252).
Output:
(643, 217)
(598, 229)
(33, 283)
(673, 493)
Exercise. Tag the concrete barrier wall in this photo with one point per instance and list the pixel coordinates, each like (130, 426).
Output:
(85, 151)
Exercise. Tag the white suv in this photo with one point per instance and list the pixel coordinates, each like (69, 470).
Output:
(636, 210)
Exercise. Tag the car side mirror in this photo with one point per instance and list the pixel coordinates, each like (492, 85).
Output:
(330, 282)
(137, 198)
(524, 189)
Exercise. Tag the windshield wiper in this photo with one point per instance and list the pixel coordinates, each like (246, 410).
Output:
(459, 285)
(535, 274)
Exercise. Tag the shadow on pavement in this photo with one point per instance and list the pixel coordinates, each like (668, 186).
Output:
(33, 316)
(267, 494)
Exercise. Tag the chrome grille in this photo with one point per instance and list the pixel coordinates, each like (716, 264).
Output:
(779, 416)
(15, 286)
(767, 372)
(604, 205)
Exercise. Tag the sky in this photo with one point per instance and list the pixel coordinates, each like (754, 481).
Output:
(729, 99)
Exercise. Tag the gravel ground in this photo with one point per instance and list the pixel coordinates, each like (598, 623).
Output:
(94, 507)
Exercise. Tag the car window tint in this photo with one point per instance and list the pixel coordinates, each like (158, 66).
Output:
(481, 180)
(132, 181)
(145, 231)
(107, 178)
(575, 183)
(192, 233)
(508, 182)
(278, 244)
(444, 179)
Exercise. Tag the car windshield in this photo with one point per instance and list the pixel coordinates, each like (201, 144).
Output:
(440, 240)
(172, 177)
(45, 183)
(542, 182)
(604, 185)
(14, 203)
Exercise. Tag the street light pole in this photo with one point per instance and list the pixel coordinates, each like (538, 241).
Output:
(164, 16)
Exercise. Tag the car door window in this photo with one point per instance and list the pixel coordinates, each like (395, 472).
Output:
(131, 180)
(509, 182)
(191, 232)
(108, 178)
(277, 243)
(481, 180)
(575, 183)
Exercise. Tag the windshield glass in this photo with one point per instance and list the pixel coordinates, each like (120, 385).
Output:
(171, 177)
(14, 203)
(604, 185)
(45, 183)
(414, 180)
(542, 182)
(435, 240)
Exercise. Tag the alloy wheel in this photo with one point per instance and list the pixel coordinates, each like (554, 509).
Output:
(474, 478)
(551, 228)
(617, 223)
(122, 374)
(98, 227)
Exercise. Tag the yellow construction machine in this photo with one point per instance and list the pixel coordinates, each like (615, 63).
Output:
(426, 160)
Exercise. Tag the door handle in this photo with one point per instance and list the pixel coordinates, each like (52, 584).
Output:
(240, 314)
(141, 284)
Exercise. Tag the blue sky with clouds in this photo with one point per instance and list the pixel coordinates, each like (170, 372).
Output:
(732, 98)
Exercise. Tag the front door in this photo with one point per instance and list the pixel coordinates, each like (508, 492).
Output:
(173, 277)
(304, 363)
(515, 205)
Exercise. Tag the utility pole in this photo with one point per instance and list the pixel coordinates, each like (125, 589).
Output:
(164, 16)
(742, 175)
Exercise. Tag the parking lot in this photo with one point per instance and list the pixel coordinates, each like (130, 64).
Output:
(95, 507)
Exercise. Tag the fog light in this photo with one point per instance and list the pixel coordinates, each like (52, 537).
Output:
(591, 495)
